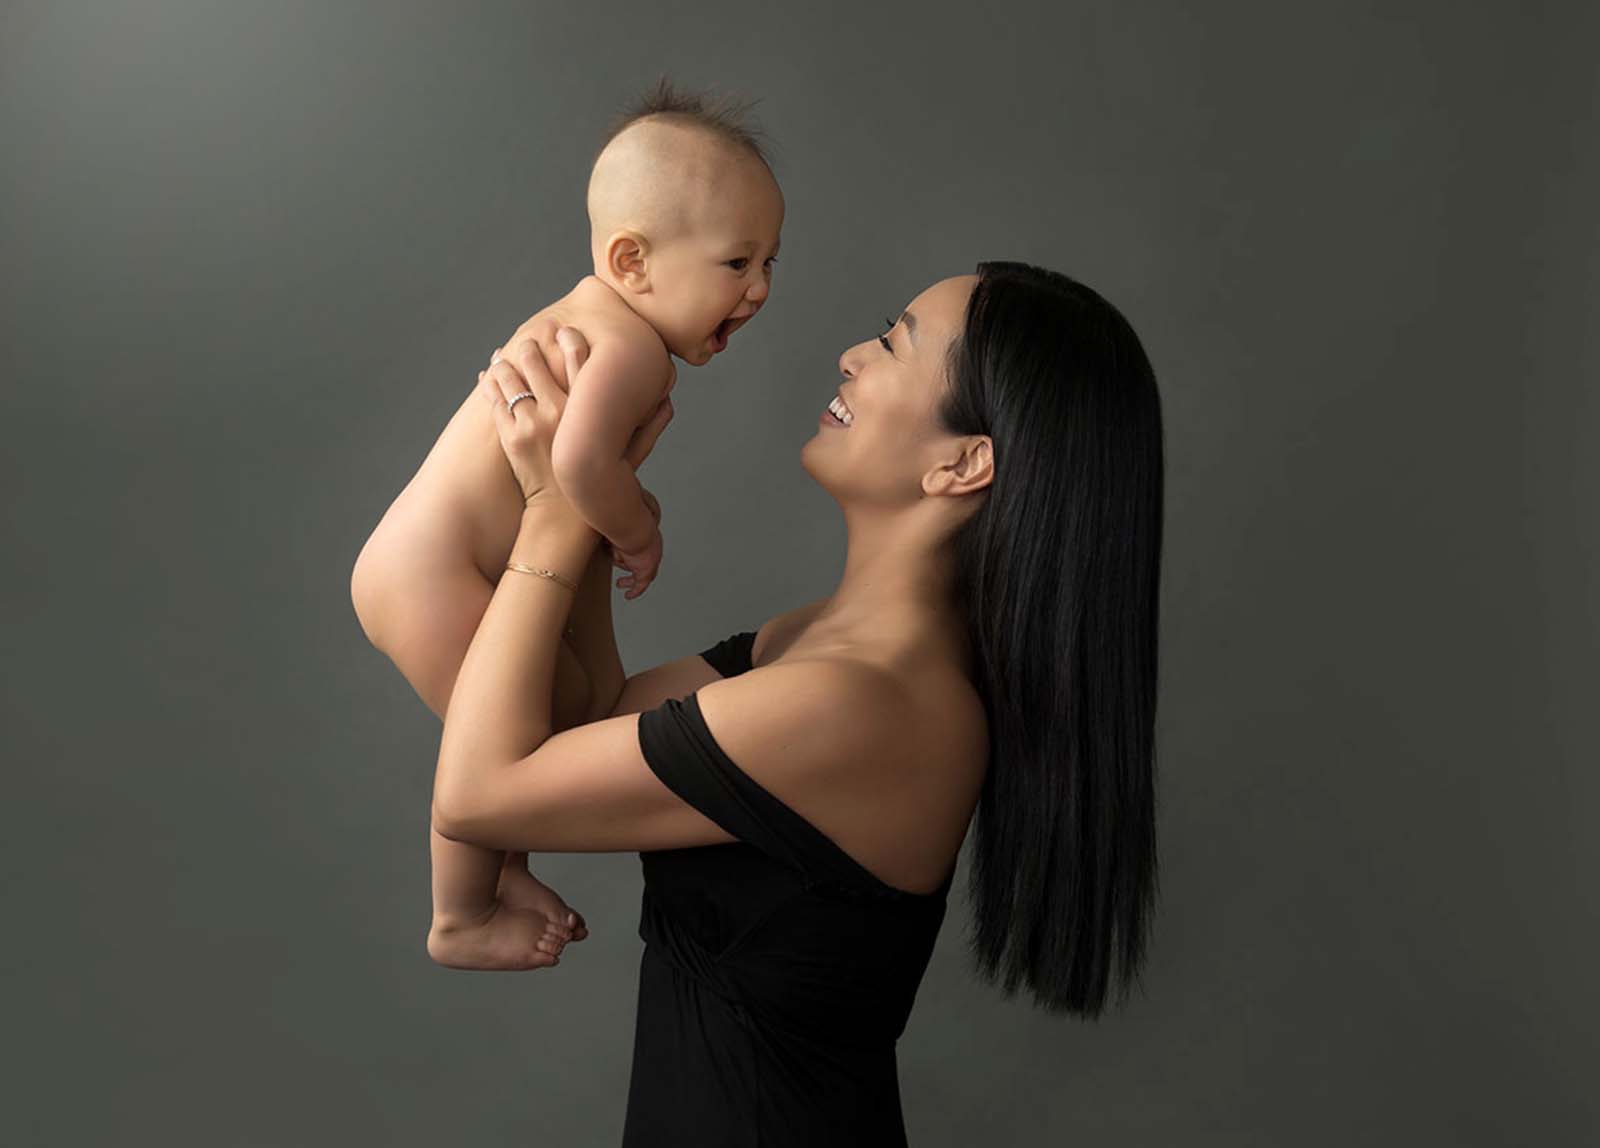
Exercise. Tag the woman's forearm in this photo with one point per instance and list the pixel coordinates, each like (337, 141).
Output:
(592, 638)
(500, 709)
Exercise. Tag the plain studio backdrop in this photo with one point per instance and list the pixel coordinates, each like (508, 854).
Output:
(252, 258)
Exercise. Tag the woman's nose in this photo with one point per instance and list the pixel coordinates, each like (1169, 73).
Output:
(847, 363)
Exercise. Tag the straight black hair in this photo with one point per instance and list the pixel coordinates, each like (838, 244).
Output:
(1058, 576)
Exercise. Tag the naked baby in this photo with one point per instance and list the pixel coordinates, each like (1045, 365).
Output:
(684, 219)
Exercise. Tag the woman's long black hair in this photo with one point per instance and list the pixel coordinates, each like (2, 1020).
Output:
(1058, 576)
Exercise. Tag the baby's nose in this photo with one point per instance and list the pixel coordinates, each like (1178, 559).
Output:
(758, 291)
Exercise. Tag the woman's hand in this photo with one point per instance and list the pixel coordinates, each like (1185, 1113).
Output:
(575, 353)
(520, 366)
(528, 427)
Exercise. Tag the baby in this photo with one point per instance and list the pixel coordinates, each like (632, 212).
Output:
(684, 217)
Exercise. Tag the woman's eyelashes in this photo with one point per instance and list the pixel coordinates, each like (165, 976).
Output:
(884, 338)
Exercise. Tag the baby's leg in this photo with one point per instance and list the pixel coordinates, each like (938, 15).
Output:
(472, 927)
(420, 587)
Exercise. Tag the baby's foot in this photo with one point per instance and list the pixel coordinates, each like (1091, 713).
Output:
(507, 937)
(522, 890)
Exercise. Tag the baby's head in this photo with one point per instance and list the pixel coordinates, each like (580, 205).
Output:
(684, 217)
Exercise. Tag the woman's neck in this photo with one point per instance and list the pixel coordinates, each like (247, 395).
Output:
(897, 589)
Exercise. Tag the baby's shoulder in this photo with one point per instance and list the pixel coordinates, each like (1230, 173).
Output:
(595, 309)
(610, 327)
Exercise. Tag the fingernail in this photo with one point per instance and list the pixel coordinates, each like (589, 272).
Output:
(572, 919)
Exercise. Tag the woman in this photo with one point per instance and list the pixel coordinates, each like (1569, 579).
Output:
(799, 793)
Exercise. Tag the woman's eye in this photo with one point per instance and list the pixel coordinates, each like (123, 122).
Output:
(884, 338)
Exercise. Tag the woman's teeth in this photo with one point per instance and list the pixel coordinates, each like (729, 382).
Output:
(840, 411)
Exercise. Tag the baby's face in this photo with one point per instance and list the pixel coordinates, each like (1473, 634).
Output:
(712, 279)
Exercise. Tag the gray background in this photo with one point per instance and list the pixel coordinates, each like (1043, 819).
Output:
(254, 254)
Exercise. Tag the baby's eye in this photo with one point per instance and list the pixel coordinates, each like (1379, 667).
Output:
(739, 264)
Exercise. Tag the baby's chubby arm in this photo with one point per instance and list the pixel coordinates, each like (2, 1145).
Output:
(621, 385)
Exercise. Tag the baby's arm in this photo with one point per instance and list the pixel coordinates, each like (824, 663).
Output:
(622, 383)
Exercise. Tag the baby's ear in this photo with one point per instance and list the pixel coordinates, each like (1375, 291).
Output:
(626, 253)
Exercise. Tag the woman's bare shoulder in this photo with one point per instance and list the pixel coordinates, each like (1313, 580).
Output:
(778, 632)
(940, 689)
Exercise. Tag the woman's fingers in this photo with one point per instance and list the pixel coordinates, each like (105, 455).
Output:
(527, 357)
(574, 348)
(489, 387)
(506, 381)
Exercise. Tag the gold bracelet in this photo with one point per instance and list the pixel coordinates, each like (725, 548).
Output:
(550, 574)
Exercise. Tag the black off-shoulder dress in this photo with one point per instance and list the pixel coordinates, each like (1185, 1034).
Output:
(777, 973)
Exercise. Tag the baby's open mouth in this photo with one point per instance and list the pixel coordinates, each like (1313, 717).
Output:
(726, 328)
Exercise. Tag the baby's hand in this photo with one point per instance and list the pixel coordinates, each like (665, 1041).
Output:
(641, 566)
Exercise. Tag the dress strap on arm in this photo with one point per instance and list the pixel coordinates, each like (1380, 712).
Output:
(731, 656)
(681, 752)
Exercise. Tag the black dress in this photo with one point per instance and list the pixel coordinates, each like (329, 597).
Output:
(777, 973)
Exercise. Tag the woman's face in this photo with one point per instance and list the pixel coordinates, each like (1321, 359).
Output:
(891, 385)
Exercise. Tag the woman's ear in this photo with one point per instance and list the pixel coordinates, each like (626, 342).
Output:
(971, 470)
(625, 258)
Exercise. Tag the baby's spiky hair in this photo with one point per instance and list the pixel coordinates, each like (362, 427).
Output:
(726, 117)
